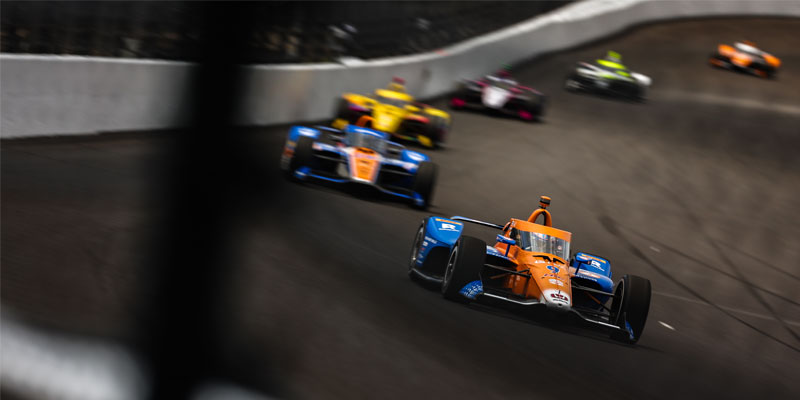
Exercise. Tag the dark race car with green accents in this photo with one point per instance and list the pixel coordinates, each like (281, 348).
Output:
(608, 76)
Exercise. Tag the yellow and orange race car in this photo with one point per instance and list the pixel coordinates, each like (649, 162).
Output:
(529, 265)
(745, 57)
(395, 112)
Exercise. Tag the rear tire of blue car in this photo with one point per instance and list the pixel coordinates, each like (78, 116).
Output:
(630, 307)
(425, 182)
(464, 266)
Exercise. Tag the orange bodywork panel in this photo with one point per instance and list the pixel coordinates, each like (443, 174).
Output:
(545, 276)
(743, 59)
(538, 228)
(726, 50)
(549, 273)
(364, 164)
(772, 60)
(548, 219)
(364, 120)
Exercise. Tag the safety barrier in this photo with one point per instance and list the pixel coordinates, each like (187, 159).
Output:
(49, 95)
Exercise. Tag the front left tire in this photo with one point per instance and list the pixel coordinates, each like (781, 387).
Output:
(416, 248)
(303, 154)
(464, 266)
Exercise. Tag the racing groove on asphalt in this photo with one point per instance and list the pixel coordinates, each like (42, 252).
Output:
(696, 190)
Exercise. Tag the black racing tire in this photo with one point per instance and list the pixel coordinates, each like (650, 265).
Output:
(343, 110)
(631, 304)
(461, 92)
(435, 129)
(303, 154)
(535, 106)
(453, 101)
(718, 57)
(416, 247)
(572, 83)
(425, 182)
(463, 266)
(541, 102)
(640, 94)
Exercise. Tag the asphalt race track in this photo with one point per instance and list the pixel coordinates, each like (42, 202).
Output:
(697, 189)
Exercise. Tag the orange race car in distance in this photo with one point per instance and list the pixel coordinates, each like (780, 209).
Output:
(746, 57)
(529, 265)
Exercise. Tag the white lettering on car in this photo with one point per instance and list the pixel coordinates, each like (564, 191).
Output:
(448, 227)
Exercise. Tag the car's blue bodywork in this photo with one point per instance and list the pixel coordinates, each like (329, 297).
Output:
(441, 234)
(396, 172)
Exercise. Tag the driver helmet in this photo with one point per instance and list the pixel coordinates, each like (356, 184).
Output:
(504, 71)
(613, 56)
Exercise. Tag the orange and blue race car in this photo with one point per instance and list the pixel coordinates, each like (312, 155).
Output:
(359, 155)
(529, 265)
(745, 57)
(395, 112)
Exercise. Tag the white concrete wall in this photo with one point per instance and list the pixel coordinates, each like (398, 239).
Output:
(49, 95)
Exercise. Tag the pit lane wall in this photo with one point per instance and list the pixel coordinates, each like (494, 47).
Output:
(67, 95)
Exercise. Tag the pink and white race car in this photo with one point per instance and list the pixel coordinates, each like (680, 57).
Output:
(499, 92)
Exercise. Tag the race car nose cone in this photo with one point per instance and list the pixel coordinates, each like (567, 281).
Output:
(556, 300)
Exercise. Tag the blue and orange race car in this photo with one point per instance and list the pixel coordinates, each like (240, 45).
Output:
(356, 154)
(745, 57)
(529, 265)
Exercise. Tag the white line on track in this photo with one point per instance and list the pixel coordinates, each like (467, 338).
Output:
(708, 98)
(655, 249)
(672, 296)
(666, 325)
(731, 309)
